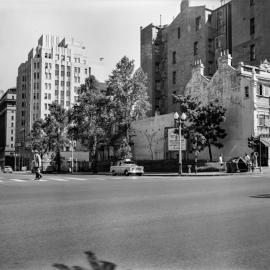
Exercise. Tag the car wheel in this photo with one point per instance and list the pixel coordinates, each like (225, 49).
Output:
(140, 174)
(113, 173)
(126, 173)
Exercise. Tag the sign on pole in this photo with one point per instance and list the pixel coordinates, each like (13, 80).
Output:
(173, 141)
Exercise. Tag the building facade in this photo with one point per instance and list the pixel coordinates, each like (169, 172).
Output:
(53, 71)
(245, 93)
(197, 33)
(7, 127)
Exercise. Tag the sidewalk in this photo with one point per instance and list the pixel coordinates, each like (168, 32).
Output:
(265, 170)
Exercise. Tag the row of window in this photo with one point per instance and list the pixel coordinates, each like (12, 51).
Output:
(198, 26)
(36, 75)
(36, 65)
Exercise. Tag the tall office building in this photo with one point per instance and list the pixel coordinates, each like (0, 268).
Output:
(7, 127)
(53, 71)
(168, 53)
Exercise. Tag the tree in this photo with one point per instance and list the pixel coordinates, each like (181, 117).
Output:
(49, 135)
(91, 119)
(203, 125)
(130, 101)
(38, 138)
(207, 122)
(56, 132)
(150, 136)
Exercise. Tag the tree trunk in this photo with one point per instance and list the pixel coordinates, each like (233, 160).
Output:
(58, 160)
(94, 156)
(210, 152)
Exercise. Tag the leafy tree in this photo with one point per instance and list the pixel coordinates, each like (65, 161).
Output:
(38, 138)
(91, 119)
(208, 121)
(49, 135)
(130, 101)
(55, 129)
(203, 122)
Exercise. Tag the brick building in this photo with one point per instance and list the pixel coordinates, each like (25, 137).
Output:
(168, 52)
(7, 127)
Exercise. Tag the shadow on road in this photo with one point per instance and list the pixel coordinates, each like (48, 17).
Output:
(93, 261)
(261, 196)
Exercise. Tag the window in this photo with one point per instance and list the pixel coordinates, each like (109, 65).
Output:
(252, 26)
(198, 23)
(11, 138)
(45, 96)
(62, 67)
(37, 65)
(260, 90)
(12, 124)
(62, 94)
(62, 73)
(56, 82)
(46, 106)
(68, 73)
(62, 57)
(86, 71)
(67, 103)
(62, 83)
(75, 69)
(56, 93)
(68, 93)
(246, 92)
(57, 67)
(174, 77)
(12, 145)
(68, 58)
(196, 48)
(12, 117)
(12, 131)
(49, 96)
(178, 32)
(68, 83)
(79, 70)
(261, 120)
(68, 68)
(56, 72)
(252, 52)
(174, 57)
(251, 2)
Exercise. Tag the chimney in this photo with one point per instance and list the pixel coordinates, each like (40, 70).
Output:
(198, 67)
(224, 59)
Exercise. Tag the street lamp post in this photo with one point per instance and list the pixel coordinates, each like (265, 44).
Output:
(178, 119)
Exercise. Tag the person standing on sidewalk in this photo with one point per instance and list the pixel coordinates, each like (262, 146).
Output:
(220, 161)
(37, 164)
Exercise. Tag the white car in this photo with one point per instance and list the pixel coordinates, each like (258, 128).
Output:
(126, 167)
(7, 169)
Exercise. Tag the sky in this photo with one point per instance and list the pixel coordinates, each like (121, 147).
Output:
(109, 29)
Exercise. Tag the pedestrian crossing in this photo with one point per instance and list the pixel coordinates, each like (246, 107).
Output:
(49, 179)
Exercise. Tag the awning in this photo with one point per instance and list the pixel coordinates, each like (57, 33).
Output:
(266, 141)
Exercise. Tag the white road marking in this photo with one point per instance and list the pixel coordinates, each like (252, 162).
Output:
(58, 179)
(17, 180)
(74, 178)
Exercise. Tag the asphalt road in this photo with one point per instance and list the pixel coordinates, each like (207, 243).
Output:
(163, 223)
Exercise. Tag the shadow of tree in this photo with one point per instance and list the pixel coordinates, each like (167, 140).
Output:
(261, 196)
(93, 261)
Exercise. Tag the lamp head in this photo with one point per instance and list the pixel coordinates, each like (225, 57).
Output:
(176, 116)
(183, 116)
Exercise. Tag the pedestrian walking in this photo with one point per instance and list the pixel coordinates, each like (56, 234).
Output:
(247, 160)
(220, 161)
(37, 165)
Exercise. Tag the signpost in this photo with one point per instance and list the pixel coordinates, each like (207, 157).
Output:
(173, 141)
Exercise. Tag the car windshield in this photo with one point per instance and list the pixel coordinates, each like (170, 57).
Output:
(129, 162)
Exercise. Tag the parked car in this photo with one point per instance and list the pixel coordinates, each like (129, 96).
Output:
(126, 167)
(7, 169)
